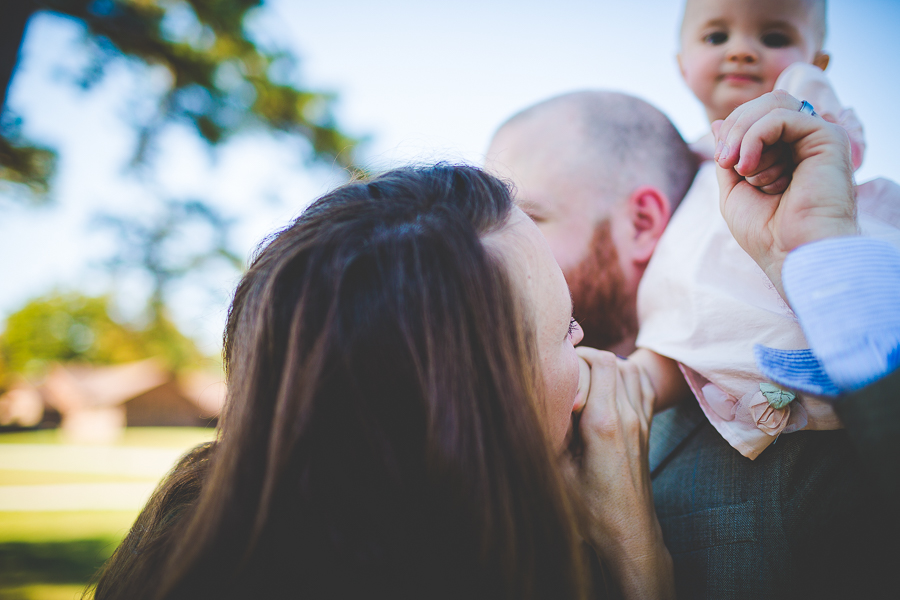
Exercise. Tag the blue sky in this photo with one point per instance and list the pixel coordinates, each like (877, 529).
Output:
(423, 80)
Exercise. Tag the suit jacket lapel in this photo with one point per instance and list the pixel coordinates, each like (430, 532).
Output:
(670, 428)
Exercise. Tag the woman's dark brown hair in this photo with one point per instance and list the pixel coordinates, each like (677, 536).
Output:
(381, 435)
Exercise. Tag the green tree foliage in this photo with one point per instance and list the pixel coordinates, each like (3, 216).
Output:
(24, 163)
(221, 81)
(63, 327)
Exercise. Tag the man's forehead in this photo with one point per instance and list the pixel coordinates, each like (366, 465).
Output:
(553, 170)
(558, 190)
(539, 138)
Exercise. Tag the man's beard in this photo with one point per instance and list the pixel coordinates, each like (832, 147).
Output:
(605, 309)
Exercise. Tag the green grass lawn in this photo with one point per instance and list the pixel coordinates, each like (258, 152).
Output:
(53, 555)
(149, 437)
(50, 555)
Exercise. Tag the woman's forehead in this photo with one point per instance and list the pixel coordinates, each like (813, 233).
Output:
(533, 270)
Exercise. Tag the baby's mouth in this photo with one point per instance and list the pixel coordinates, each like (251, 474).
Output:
(739, 78)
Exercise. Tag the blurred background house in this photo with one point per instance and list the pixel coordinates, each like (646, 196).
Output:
(66, 362)
(92, 403)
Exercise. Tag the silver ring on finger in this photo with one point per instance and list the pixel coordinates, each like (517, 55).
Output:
(807, 108)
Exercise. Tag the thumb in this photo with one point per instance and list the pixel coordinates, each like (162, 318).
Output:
(728, 179)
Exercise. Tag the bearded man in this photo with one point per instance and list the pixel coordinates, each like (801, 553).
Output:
(600, 173)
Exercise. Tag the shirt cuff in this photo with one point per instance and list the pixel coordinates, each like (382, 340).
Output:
(846, 295)
(798, 370)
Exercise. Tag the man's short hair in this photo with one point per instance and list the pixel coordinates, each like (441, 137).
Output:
(627, 141)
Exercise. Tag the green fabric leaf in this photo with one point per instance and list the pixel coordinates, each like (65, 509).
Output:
(775, 396)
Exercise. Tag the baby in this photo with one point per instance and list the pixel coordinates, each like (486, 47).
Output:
(703, 302)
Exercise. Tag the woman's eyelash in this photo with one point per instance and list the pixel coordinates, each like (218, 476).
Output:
(573, 326)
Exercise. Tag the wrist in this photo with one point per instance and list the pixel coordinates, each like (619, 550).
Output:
(641, 565)
(645, 573)
(773, 272)
(772, 266)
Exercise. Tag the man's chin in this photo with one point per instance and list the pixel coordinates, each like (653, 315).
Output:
(604, 305)
(623, 347)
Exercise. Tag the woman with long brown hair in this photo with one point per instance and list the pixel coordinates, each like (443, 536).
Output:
(401, 377)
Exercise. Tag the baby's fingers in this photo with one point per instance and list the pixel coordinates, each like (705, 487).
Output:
(778, 186)
(731, 150)
(773, 179)
(774, 162)
(767, 175)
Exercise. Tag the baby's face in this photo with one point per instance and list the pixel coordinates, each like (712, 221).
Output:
(732, 51)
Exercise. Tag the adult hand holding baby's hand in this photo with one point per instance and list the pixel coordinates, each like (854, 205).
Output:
(816, 198)
(614, 476)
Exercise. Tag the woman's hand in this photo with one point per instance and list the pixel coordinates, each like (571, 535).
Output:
(784, 179)
(614, 476)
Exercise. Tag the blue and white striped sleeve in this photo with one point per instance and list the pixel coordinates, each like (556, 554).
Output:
(846, 295)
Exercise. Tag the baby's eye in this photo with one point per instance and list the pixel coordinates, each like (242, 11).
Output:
(716, 38)
(776, 40)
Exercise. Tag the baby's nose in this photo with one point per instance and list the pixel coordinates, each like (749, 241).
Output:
(742, 51)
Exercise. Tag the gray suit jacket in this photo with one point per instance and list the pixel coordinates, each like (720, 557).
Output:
(806, 519)
(872, 419)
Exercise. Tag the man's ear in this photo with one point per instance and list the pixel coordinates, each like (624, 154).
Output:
(649, 211)
(821, 60)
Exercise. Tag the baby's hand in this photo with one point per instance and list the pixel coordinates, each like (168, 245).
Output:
(818, 204)
(665, 377)
(773, 174)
